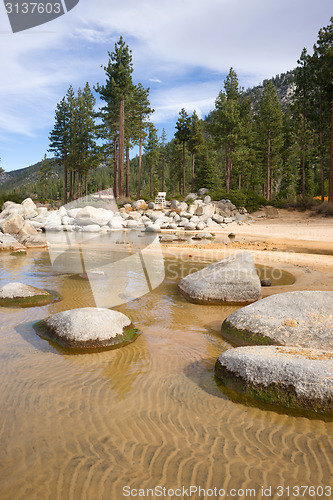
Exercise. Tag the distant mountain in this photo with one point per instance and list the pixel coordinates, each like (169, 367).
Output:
(284, 84)
(17, 178)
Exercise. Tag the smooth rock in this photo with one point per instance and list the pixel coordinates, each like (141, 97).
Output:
(20, 294)
(233, 280)
(12, 224)
(116, 223)
(88, 328)
(286, 376)
(91, 228)
(203, 191)
(8, 242)
(88, 216)
(303, 319)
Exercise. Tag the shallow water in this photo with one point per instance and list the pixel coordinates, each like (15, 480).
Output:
(150, 414)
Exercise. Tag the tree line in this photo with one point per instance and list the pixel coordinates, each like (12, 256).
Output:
(265, 148)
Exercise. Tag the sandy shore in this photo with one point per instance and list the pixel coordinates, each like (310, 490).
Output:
(296, 242)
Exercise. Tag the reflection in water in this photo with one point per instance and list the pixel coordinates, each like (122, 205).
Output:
(83, 427)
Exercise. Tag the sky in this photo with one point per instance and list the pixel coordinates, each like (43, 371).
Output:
(182, 50)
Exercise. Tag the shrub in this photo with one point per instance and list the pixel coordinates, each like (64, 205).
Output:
(248, 199)
(325, 209)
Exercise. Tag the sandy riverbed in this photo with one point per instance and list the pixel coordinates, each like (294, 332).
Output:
(294, 241)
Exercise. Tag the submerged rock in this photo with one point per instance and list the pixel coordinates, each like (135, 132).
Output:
(303, 319)
(233, 280)
(285, 376)
(88, 328)
(20, 294)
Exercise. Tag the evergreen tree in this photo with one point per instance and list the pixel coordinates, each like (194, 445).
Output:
(163, 139)
(141, 112)
(196, 141)
(44, 174)
(152, 156)
(182, 135)
(270, 134)
(60, 137)
(117, 87)
(226, 123)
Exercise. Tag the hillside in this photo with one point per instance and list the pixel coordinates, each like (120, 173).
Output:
(18, 178)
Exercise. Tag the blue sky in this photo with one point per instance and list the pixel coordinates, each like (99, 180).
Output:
(182, 50)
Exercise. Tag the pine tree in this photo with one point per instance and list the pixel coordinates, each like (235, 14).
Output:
(182, 135)
(44, 174)
(226, 123)
(118, 86)
(140, 114)
(163, 139)
(60, 136)
(270, 133)
(196, 141)
(152, 155)
(322, 61)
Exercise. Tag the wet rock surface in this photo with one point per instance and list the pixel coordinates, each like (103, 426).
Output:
(232, 280)
(88, 329)
(286, 376)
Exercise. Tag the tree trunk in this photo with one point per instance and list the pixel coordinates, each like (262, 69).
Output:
(193, 172)
(65, 180)
(71, 185)
(86, 185)
(240, 181)
(330, 182)
(121, 146)
(140, 168)
(127, 173)
(268, 166)
(303, 159)
(163, 167)
(151, 182)
(115, 170)
(184, 188)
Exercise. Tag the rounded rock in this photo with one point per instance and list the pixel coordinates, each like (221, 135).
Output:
(88, 328)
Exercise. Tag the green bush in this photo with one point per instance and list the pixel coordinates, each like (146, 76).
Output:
(248, 199)
(325, 208)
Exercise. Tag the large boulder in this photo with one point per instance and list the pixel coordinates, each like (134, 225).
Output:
(287, 376)
(9, 208)
(303, 319)
(205, 210)
(20, 294)
(233, 280)
(8, 242)
(88, 328)
(12, 223)
(88, 216)
(30, 209)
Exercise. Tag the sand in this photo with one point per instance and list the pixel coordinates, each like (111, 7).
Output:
(297, 242)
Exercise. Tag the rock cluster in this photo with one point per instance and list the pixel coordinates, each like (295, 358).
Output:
(88, 329)
(297, 371)
(24, 221)
(16, 229)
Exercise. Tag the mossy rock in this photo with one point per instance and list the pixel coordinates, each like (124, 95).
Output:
(88, 329)
(19, 253)
(22, 295)
(289, 377)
